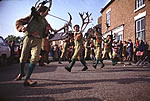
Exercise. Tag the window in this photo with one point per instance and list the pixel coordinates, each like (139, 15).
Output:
(139, 4)
(108, 19)
(140, 28)
(119, 36)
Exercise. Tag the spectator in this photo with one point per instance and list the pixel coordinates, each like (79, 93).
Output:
(125, 51)
(120, 49)
(136, 49)
(140, 49)
(12, 47)
(130, 50)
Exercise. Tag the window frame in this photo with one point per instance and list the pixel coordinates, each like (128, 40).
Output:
(108, 14)
(140, 32)
(139, 4)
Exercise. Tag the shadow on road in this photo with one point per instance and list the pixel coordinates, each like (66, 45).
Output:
(17, 92)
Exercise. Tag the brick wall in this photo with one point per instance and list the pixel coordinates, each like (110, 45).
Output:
(147, 2)
(122, 12)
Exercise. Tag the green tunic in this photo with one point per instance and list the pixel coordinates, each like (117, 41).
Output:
(97, 50)
(38, 26)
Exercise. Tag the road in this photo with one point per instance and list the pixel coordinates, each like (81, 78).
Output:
(111, 83)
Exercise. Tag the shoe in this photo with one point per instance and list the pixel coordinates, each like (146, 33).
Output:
(130, 63)
(114, 64)
(68, 69)
(29, 83)
(48, 62)
(42, 65)
(102, 66)
(59, 62)
(84, 69)
(69, 61)
(19, 77)
(94, 66)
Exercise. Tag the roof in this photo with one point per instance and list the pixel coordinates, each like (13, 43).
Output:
(59, 36)
(106, 6)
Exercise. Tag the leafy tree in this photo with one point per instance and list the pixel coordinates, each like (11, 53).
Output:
(14, 38)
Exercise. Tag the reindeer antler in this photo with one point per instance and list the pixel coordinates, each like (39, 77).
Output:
(85, 20)
(68, 23)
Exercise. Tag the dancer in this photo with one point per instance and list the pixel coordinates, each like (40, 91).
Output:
(107, 50)
(97, 44)
(78, 41)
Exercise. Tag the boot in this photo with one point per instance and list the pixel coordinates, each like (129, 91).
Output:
(59, 62)
(84, 64)
(84, 69)
(19, 77)
(29, 83)
(22, 74)
(70, 67)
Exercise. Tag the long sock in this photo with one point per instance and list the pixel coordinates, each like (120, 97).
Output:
(72, 63)
(97, 62)
(112, 61)
(30, 70)
(83, 62)
(93, 60)
(60, 59)
(22, 65)
(101, 60)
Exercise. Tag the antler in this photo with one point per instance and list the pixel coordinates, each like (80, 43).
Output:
(36, 4)
(66, 25)
(50, 4)
(85, 20)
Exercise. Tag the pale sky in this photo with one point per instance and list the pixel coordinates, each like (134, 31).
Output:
(12, 10)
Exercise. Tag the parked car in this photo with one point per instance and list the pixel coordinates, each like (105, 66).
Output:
(4, 51)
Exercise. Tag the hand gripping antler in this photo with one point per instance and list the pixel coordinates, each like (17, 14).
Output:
(85, 20)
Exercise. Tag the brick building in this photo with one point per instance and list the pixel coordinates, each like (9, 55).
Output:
(127, 19)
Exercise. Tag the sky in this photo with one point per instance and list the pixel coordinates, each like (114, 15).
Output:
(12, 10)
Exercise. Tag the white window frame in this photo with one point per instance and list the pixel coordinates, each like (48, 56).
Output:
(139, 4)
(108, 18)
(141, 32)
(119, 36)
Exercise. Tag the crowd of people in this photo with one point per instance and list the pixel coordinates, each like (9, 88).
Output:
(96, 49)
(120, 51)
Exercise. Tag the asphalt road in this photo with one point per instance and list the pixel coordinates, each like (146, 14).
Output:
(112, 83)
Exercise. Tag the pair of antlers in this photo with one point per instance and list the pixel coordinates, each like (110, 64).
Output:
(85, 17)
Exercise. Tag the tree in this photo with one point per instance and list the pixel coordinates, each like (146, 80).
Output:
(14, 38)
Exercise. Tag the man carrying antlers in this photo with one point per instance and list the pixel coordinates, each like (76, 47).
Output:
(35, 31)
(78, 41)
